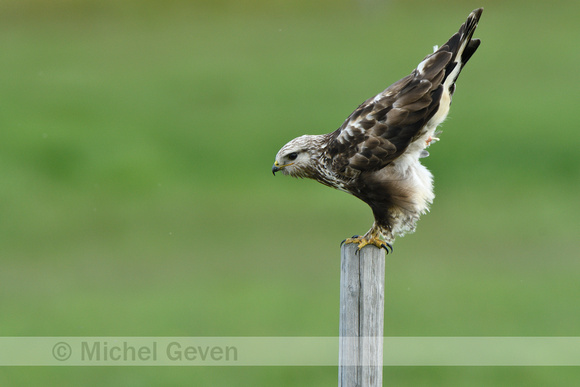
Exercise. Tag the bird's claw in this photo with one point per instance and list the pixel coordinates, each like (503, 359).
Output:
(349, 240)
(362, 242)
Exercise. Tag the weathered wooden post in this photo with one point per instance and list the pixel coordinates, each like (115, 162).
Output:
(362, 305)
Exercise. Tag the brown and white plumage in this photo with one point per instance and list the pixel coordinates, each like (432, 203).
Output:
(375, 154)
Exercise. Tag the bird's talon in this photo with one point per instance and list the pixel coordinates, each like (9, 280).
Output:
(350, 240)
(362, 242)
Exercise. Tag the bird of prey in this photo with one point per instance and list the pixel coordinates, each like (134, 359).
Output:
(375, 154)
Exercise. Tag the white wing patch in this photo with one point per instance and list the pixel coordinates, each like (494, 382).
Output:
(422, 65)
(351, 131)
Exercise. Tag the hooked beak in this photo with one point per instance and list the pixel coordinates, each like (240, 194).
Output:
(277, 167)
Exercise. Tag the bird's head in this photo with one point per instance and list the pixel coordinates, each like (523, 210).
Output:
(296, 157)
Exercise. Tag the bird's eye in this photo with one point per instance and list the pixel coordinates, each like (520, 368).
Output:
(292, 156)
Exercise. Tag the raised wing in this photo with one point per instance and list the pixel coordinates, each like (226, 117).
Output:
(382, 127)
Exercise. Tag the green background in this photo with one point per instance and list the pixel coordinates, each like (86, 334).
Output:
(136, 197)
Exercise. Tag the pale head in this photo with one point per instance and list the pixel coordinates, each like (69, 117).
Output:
(297, 157)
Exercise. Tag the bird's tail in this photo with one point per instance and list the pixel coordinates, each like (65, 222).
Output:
(462, 47)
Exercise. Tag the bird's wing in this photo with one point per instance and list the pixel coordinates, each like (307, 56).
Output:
(382, 127)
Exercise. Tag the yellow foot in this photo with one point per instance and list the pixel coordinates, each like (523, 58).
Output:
(362, 242)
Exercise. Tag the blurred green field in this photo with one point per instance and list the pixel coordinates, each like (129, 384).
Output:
(136, 141)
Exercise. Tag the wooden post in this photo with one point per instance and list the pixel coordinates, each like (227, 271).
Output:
(362, 305)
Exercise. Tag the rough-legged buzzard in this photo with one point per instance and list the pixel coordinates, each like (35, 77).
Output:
(375, 154)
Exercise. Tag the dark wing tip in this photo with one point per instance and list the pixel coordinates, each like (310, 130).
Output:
(475, 14)
(470, 50)
(471, 23)
(467, 30)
